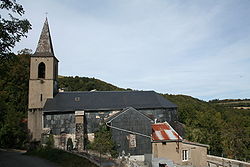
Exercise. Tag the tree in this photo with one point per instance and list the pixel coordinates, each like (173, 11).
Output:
(103, 142)
(12, 29)
(236, 135)
(14, 73)
(13, 134)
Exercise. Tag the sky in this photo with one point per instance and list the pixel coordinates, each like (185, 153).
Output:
(197, 48)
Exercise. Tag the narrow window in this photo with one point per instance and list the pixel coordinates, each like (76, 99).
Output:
(41, 97)
(41, 70)
(184, 155)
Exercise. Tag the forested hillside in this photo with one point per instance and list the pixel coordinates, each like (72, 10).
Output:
(226, 130)
(84, 84)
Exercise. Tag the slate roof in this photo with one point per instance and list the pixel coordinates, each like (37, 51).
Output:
(44, 47)
(106, 100)
(111, 118)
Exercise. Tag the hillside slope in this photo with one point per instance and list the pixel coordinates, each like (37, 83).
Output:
(226, 130)
(85, 84)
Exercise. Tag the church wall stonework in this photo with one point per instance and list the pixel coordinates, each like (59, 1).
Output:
(95, 119)
(79, 132)
(62, 127)
(60, 141)
(60, 123)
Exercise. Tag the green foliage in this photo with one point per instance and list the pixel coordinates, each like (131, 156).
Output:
(12, 29)
(103, 142)
(226, 130)
(50, 141)
(236, 134)
(13, 133)
(61, 157)
(14, 73)
(85, 84)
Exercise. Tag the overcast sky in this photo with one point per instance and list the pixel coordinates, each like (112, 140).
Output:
(195, 47)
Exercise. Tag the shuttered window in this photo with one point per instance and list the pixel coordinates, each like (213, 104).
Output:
(184, 155)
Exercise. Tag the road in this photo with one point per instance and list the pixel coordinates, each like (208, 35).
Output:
(15, 158)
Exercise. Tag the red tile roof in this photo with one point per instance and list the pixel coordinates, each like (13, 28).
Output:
(163, 131)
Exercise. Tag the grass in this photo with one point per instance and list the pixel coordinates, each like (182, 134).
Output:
(61, 157)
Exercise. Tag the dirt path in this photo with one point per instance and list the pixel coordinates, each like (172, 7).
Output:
(14, 158)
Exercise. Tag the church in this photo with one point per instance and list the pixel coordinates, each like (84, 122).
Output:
(78, 115)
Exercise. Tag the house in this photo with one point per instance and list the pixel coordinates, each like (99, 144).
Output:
(168, 144)
(77, 115)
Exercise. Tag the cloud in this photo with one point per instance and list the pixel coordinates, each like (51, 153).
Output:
(199, 48)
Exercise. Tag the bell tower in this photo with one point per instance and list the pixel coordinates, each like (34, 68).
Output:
(42, 82)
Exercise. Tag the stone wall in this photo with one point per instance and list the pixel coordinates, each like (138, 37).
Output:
(93, 119)
(60, 122)
(214, 161)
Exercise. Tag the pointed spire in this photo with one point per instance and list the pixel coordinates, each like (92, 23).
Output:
(44, 46)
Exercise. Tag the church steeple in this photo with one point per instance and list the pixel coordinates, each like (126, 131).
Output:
(43, 81)
(43, 71)
(44, 47)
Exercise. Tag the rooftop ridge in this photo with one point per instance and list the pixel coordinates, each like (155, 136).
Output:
(106, 100)
(125, 91)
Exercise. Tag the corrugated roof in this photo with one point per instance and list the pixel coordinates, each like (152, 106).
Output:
(164, 132)
(106, 100)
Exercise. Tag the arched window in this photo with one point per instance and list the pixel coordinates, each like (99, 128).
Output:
(41, 70)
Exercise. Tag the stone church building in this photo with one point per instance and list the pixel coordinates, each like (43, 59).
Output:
(77, 115)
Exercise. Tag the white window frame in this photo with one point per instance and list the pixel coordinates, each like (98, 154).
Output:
(184, 155)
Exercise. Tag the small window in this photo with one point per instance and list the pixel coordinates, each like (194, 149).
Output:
(41, 70)
(41, 97)
(164, 143)
(77, 98)
(184, 155)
